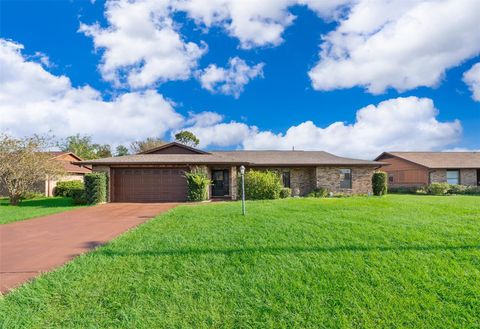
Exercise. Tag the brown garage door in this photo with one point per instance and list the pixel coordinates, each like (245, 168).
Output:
(149, 184)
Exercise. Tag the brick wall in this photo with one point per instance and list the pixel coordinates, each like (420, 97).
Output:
(330, 177)
(468, 177)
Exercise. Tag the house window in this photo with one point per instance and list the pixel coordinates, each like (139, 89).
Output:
(453, 177)
(390, 178)
(345, 178)
(286, 178)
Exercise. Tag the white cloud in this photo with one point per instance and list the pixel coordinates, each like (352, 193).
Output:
(34, 101)
(254, 23)
(396, 124)
(142, 45)
(472, 79)
(402, 44)
(232, 79)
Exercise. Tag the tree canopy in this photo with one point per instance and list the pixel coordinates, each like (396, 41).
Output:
(24, 164)
(187, 137)
(146, 144)
(83, 147)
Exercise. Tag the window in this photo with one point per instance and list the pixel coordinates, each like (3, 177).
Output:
(286, 178)
(390, 178)
(453, 177)
(345, 178)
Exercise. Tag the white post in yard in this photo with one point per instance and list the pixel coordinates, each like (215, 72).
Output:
(242, 172)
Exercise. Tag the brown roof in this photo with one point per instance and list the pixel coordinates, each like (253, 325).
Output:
(250, 158)
(439, 160)
(69, 166)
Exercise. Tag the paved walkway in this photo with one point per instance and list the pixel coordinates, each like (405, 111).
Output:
(30, 247)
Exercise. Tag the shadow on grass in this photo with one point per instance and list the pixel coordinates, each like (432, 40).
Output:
(286, 250)
(41, 203)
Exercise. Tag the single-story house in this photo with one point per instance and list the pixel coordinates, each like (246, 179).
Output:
(406, 169)
(158, 174)
(72, 172)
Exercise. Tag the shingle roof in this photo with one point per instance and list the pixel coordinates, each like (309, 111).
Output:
(251, 158)
(453, 160)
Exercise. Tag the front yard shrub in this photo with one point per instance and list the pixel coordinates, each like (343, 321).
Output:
(261, 185)
(438, 188)
(285, 192)
(379, 183)
(472, 190)
(457, 189)
(66, 188)
(319, 192)
(197, 184)
(95, 188)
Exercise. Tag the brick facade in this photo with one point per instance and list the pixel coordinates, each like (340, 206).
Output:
(467, 176)
(330, 177)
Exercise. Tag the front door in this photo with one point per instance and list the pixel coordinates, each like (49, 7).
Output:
(221, 184)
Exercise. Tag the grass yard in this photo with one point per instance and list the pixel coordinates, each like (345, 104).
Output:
(33, 208)
(392, 262)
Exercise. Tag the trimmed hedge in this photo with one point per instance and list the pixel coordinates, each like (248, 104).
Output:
(261, 185)
(66, 188)
(285, 192)
(379, 183)
(438, 188)
(319, 192)
(95, 188)
(197, 184)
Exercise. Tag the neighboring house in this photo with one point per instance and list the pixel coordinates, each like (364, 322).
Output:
(422, 168)
(72, 172)
(158, 174)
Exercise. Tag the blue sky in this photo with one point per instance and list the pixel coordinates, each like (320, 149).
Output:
(279, 93)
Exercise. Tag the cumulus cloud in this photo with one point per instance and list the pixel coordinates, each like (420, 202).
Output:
(32, 100)
(472, 79)
(396, 124)
(400, 44)
(254, 23)
(142, 45)
(232, 79)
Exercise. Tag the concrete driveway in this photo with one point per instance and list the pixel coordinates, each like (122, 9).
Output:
(38, 245)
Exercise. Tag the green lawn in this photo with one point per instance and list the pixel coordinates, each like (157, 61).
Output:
(392, 262)
(33, 208)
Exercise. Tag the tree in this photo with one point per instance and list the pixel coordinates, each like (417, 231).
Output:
(187, 137)
(145, 145)
(24, 164)
(121, 150)
(83, 147)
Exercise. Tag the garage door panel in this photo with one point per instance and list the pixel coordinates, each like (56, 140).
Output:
(149, 184)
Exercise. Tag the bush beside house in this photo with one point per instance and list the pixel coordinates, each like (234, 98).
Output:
(95, 188)
(197, 185)
(71, 189)
(379, 183)
(261, 185)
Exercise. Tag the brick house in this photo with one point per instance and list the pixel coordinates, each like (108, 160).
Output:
(158, 174)
(407, 169)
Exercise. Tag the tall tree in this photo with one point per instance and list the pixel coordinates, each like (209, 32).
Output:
(187, 137)
(146, 144)
(85, 148)
(121, 150)
(23, 164)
